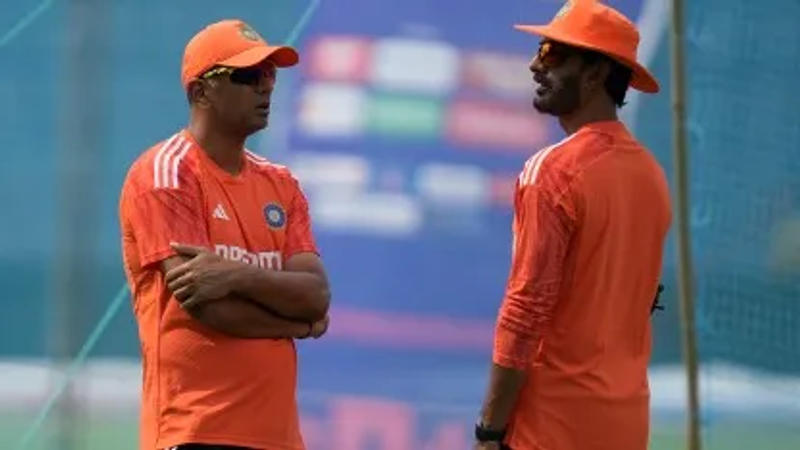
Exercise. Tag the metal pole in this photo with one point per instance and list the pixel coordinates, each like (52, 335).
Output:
(685, 271)
(81, 117)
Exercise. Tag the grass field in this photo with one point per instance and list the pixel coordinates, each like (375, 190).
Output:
(743, 410)
(120, 434)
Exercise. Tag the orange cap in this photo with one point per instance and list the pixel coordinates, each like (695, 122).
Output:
(594, 26)
(230, 43)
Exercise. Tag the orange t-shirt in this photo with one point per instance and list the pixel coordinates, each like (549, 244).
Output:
(591, 218)
(201, 385)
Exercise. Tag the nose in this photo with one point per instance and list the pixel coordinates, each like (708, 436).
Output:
(536, 66)
(266, 83)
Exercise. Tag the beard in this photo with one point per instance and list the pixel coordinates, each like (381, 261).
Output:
(560, 98)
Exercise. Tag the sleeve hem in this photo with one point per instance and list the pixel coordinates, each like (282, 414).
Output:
(156, 256)
(510, 362)
(309, 249)
(512, 349)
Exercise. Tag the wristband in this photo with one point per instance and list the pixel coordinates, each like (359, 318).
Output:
(483, 434)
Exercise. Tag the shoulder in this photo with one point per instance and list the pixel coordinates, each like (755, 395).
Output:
(279, 174)
(168, 165)
(560, 163)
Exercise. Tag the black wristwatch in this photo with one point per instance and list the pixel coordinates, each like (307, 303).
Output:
(483, 434)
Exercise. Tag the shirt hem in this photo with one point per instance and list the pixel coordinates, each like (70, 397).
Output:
(218, 439)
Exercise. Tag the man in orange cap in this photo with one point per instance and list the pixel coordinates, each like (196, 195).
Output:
(572, 341)
(221, 261)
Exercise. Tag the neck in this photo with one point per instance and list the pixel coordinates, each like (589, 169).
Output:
(591, 112)
(223, 148)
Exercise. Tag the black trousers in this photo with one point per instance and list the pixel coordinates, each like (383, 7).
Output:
(233, 447)
(208, 447)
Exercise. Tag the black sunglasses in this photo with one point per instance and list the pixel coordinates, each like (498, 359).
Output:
(249, 76)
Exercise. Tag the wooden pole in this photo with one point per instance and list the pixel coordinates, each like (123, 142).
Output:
(681, 183)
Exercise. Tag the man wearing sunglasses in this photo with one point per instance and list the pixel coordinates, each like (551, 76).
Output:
(572, 340)
(221, 261)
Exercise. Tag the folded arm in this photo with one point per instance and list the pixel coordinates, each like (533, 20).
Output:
(236, 316)
(300, 291)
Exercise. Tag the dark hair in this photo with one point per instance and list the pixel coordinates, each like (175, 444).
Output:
(619, 76)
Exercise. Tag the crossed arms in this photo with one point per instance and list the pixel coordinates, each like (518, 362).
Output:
(246, 301)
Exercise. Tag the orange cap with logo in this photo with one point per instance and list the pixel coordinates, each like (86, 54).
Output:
(230, 43)
(591, 25)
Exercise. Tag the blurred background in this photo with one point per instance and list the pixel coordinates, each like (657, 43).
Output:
(406, 122)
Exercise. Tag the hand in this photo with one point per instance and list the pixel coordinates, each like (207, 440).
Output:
(319, 327)
(487, 446)
(206, 276)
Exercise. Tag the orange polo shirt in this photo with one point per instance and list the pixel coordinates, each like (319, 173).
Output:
(201, 385)
(591, 218)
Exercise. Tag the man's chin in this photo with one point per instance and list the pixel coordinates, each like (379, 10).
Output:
(541, 106)
(259, 125)
(552, 108)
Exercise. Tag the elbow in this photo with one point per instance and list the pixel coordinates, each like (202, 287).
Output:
(317, 303)
(321, 303)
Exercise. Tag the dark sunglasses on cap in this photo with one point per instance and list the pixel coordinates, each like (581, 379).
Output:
(249, 76)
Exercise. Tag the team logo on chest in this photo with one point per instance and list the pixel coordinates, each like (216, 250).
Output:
(275, 215)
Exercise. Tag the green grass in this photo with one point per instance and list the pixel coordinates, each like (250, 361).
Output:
(731, 436)
(116, 433)
(120, 434)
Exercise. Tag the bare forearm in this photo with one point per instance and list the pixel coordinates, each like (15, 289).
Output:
(241, 318)
(297, 295)
(505, 385)
(300, 292)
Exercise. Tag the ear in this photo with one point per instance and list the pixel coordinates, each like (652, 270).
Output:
(197, 93)
(596, 75)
